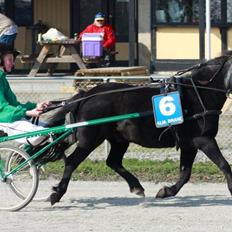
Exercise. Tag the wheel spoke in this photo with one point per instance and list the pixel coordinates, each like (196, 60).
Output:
(19, 188)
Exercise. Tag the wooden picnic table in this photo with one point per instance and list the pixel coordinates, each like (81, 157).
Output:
(65, 53)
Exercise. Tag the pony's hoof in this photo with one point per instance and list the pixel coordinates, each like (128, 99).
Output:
(138, 191)
(165, 192)
(54, 198)
(161, 193)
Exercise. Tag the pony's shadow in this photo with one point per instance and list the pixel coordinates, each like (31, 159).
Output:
(147, 202)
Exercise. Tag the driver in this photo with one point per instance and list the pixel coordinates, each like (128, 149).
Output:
(15, 117)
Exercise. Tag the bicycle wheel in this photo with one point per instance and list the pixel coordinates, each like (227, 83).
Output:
(17, 189)
(42, 193)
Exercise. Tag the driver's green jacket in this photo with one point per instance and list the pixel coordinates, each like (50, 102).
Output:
(11, 109)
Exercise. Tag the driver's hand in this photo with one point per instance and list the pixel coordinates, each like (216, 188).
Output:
(34, 113)
(43, 105)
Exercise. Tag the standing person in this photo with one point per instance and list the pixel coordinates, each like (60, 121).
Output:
(15, 116)
(8, 30)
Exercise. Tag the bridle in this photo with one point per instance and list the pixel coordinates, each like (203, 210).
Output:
(201, 65)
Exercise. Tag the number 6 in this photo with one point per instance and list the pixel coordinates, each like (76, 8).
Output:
(166, 106)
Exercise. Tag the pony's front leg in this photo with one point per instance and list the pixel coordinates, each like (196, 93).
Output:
(71, 163)
(187, 157)
(210, 147)
(114, 161)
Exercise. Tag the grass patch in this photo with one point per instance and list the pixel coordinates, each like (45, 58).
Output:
(145, 170)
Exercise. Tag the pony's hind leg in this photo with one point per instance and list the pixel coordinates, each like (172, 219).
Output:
(71, 163)
(187, 157)
(114, 161)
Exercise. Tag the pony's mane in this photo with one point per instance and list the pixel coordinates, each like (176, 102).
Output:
(207, 69)
(221, 58)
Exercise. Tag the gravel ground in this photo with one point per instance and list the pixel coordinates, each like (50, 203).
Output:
(108, 206)
(141, 153)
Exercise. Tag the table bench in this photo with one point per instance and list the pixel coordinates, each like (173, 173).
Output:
(47, 57)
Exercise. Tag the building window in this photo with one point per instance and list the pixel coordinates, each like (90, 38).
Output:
(2, 6)
(176, 11)
(229, 11)
(215, 11)
(121, 19)
(21, 11)
(186, 11)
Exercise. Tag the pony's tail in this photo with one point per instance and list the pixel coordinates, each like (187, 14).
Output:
(71, 105)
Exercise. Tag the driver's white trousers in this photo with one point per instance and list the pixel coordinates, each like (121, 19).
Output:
(23, 126)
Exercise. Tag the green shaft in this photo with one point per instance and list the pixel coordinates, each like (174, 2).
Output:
(63, 128)
(22, 165)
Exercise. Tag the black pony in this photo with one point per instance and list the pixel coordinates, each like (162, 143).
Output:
(203, 92)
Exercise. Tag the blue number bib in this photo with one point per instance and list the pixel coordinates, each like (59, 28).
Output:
(167, 109)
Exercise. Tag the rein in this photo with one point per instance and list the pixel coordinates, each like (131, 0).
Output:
(61, 103)
(159, 83)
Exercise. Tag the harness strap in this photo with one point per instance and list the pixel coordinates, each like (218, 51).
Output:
(198, 95)
(62, 103)
(203, 114)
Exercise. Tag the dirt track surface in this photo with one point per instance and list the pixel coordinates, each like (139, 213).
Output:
(109, 206)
